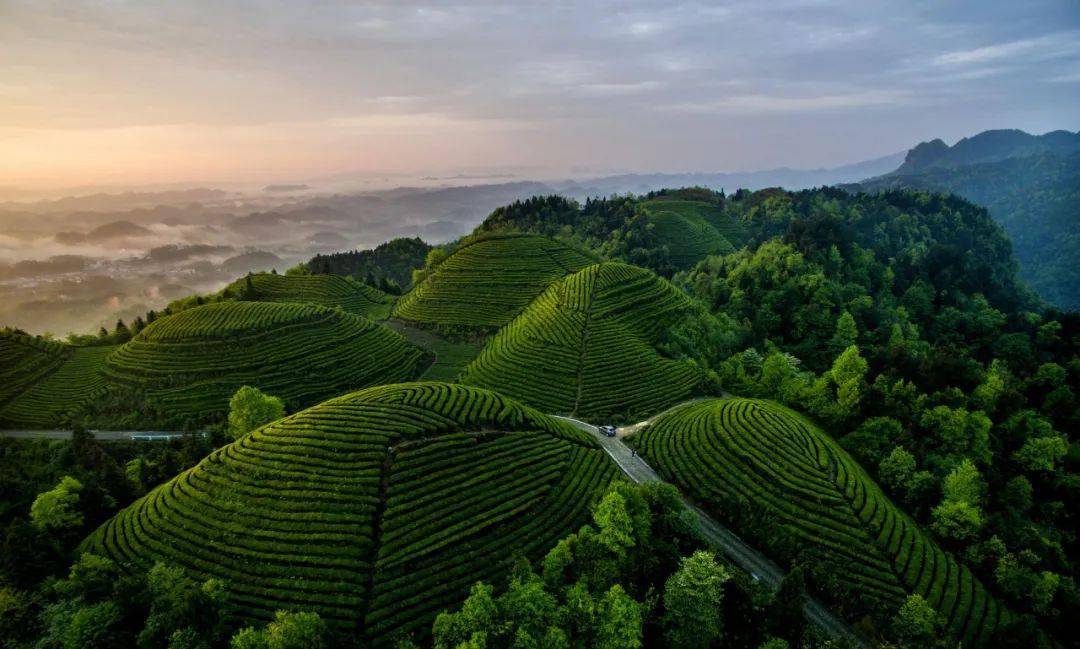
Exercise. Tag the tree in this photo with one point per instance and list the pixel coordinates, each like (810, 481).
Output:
(916, 623)
(958, 516)
(872, 439)
(986, 395)
(303, 630)
(960, 432)
(846, 334)
(579, 612)
(528, 606)
(614, 522)
(1015, 576)
(693, 596)
(897, 468)
(957, 520)
(250, 408)
(1042, 453)
(619, 620)
(58, 508)
(848, 373)
(91, 627)
(121, 334)
(964, 484)
(248, 638)
(477, 615)
(1019, 494)
(787, 618)
(289, 630)
(182, 608)
(435, 256)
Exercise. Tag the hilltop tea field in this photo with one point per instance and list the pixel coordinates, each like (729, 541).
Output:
(692, 230)
(732, 453)
(189, 364)
(377, 509)
(325, 290)
(488, 281)
(590, 346)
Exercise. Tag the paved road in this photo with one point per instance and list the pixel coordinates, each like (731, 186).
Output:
(719, 536)
(102, 435)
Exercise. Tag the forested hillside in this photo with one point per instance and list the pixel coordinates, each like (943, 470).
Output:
(1034, 198)
(863, 388)
(898, 321)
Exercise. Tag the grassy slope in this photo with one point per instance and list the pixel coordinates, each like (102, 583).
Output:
(731, 453)
(377, 509)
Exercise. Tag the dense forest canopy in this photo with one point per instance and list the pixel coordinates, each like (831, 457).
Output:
(1033, 197)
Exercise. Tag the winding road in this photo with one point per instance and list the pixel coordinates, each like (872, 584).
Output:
(758, 565)
(753, 562)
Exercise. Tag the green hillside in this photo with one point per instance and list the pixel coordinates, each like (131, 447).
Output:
(692, 230)
(732, 454)
(488, 281)
(590, 345)
(325, 290)
(1034, 199)
(666, 231)
(189, 364)
(25, 360)
(66, 390)
(377, 509)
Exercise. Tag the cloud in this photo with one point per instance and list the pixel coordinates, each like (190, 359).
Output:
(260, 89)
(1028, 50)
(764, 103)
(618, 89)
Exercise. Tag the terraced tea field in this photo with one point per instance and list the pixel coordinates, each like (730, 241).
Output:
(24, 361)
(587, 346)
(725, 451)
(693, 230)
(325, 290)
(190, 363)
(53, 398)
(483, 285)
(377, 509)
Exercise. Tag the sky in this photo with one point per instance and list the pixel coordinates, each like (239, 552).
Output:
(143, 92)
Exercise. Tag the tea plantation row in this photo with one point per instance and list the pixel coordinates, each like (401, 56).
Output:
(487, 282)
(189, 364)
(586, 346)
(731, 451)
(377, 509)
(325, 290)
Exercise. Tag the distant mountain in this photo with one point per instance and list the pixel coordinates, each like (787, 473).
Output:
(988, 146)
(1029, 183)
(753, 180)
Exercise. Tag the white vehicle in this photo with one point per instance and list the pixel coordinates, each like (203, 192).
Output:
(608, 430)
